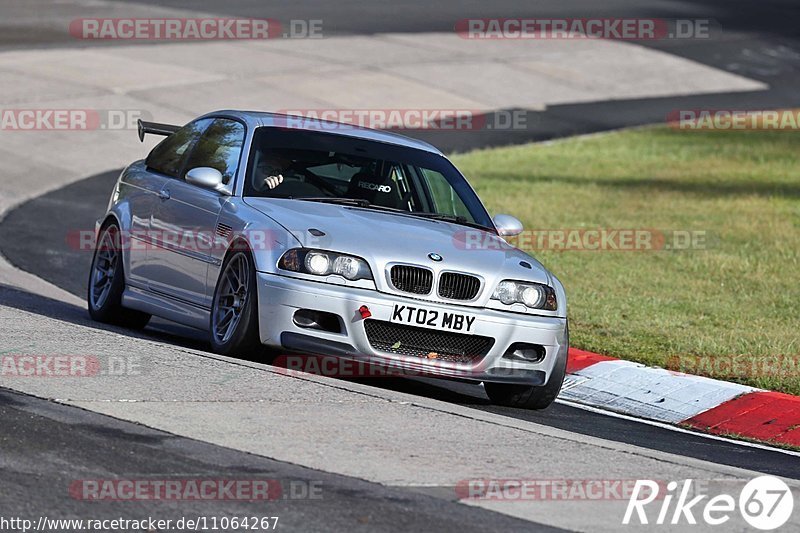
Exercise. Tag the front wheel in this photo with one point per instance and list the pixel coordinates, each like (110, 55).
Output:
(107, 283)
(234, 313)
(532, 397)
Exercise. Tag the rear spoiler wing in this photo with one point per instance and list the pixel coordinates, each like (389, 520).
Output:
(155, 128)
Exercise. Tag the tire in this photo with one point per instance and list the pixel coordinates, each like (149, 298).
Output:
(532, 397)
(235, 295)
(107, 283)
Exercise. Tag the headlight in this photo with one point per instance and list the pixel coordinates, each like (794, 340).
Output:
(348, 266)
(318, 263)
(533, 295)
(323, 263)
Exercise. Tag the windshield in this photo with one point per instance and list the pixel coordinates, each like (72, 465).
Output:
(322, 166)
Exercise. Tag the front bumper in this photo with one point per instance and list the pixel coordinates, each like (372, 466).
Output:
(280, 297)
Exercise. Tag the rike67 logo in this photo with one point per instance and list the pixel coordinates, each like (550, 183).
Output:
(765, 503)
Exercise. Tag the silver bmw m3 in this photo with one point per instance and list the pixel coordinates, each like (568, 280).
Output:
(321, 238)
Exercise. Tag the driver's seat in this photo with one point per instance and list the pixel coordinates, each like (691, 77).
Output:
(375, 189)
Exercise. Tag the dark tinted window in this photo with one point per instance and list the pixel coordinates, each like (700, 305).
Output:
(319, 165)
(219, 147)
(169, 155)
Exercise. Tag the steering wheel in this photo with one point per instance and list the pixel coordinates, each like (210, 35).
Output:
(318, 181)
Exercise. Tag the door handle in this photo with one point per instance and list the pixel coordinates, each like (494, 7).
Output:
(164, 194)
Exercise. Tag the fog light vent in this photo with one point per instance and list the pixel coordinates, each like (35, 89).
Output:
(522, 351)
(310, 319)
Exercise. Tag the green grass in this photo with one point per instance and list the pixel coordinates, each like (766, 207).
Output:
(737, 300)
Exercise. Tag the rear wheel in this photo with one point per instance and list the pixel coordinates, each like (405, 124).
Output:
(234, 313)
(107, 283)
(532, 397)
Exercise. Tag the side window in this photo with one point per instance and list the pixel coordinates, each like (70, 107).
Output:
(444, 196)
(168, 156)
(219, 147)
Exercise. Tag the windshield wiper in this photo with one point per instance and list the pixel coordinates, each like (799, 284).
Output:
(355, 202)
(455, 219)
(358, 202)
(441, 216)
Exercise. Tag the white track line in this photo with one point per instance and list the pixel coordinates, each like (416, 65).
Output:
(677, 428)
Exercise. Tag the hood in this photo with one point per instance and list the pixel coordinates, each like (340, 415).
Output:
(382, 238)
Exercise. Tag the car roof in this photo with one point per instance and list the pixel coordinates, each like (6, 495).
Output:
(255, 119)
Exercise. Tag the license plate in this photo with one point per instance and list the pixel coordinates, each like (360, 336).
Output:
(413, 315)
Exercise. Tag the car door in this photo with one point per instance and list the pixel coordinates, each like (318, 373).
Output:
(139, 189)
(144, 187)
(187, 216)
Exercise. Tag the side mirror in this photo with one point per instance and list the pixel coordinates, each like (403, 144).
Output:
(507, 226)
(207, 177)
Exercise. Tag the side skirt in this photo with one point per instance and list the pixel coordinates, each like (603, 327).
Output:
(166, 307)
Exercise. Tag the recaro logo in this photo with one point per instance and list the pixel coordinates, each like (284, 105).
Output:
(374, 186)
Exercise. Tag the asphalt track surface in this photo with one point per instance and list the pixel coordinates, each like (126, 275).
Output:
(47, 447)
(33, 238)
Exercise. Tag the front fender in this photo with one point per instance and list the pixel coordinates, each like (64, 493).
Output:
(265, 238)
